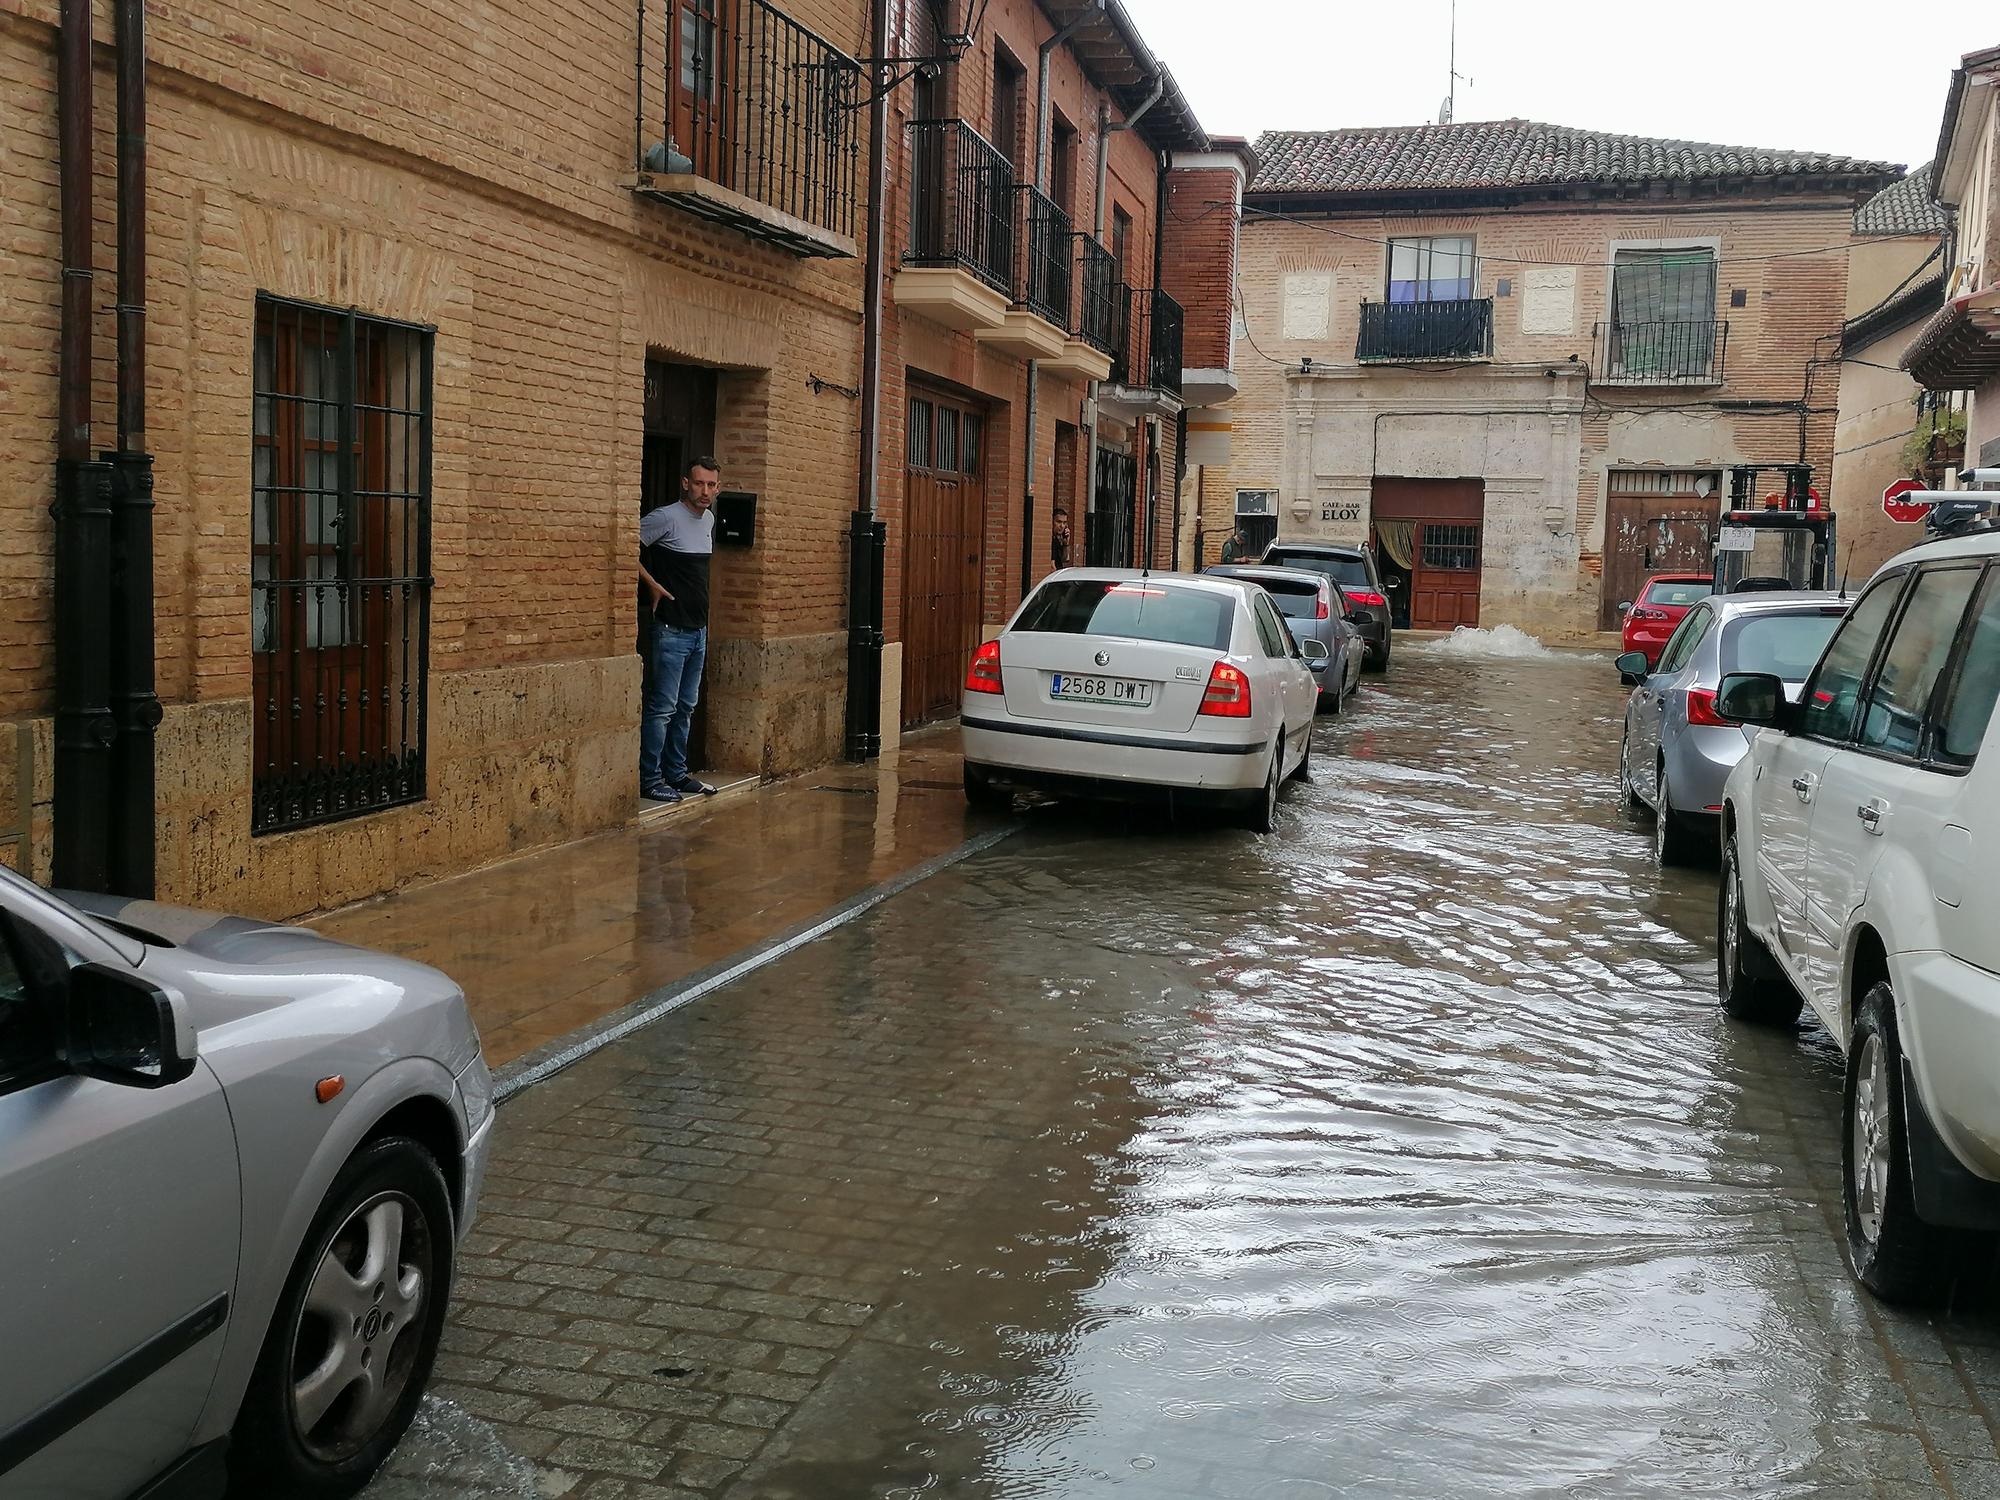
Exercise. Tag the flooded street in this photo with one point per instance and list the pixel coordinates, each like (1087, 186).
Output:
(1402, 1153)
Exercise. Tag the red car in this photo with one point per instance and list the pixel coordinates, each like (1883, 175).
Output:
(1660, 608)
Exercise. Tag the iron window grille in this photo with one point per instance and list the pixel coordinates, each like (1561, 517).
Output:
(340, 585)
(1449, 548)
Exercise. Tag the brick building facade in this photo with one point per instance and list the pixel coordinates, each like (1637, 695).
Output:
(436, 304)
(1521, 360)
(1022, 311)
(470, 183)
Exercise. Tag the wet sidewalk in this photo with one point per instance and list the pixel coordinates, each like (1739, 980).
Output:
(556, 941)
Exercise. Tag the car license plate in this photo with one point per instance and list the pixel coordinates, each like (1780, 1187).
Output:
(1073, 687)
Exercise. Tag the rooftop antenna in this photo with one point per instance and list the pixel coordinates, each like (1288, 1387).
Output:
(1849, 563)
(1450, 106)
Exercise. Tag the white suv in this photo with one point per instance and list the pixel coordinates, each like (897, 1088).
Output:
(1861, 856)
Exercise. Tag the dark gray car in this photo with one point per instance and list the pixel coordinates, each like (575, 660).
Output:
(1315, 610)
(1353, 568)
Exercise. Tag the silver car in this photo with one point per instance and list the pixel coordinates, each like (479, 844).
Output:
(236, 1159)
(1677, 750)
(1317, 613)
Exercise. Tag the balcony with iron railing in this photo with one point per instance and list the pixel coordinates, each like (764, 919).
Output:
(1101, 297)
(1045, 261)
(749, 119)
(1146, 354)
(1671, 351)
(964, 241)
(1409, 332)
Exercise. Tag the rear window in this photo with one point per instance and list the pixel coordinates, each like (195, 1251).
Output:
(1340, 569)
(1786, 646)
(1132, 610)
(1297, 601)
(1680, 591)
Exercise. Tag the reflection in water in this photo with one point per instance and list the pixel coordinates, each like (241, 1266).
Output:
(1410, 1156)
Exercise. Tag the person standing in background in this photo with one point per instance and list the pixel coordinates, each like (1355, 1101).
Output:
(1237, 547)
(676, 543)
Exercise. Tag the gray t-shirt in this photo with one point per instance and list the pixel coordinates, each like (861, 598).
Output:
(675, 545)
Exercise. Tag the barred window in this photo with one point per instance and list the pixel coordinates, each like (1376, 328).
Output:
(339, 562)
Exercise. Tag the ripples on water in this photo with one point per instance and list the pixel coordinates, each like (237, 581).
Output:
(1417, 1161)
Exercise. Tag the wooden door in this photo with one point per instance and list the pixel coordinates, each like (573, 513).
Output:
(1446, 520)
(944, 520)
(679, 427)
(1648, 534)
(1444, 587)
(703, 39)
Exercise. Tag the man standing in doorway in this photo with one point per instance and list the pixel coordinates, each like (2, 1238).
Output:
(675, 544)
(1237, 547)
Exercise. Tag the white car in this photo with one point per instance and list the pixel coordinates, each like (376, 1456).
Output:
(1861, 851)
(1109, 682)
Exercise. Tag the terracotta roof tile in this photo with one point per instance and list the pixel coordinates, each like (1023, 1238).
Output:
(1903, 207)
(1514, 153)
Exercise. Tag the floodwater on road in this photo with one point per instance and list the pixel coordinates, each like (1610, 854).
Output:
(1401, 1153)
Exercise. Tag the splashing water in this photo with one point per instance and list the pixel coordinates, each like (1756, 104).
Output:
(1501, 640)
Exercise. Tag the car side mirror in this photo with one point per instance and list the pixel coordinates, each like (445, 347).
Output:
(1632, 668)
(127, 1030)
(1625, 608)
(1753, 698)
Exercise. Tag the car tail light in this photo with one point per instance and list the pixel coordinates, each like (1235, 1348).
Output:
(1366, 596)
(983, 676)
(1701, 710)
(1322, 612)
(1227, 695)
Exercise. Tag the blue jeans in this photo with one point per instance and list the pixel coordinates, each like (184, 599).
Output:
(673, 662)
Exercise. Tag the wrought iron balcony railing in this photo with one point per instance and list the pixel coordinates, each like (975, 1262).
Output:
(1163, 344)
(1674, 351)
(1147, 352)
(961, 203)
(1102, 301)
(1458, 329)
(1045, 263)
(762, 107)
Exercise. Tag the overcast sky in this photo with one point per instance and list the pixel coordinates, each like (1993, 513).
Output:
(1864, 79)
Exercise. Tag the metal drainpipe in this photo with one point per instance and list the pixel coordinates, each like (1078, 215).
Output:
(1104, 132)
(1043, 104)
(134, 697)
(82, 511)
(867, 537)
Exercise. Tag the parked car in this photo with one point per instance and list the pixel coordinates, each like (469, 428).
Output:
(1861, 852)
(236, 1159)
(1314, 610)
(1677, 751)
(1353, 568)
(1652, 619)
(1110, 682)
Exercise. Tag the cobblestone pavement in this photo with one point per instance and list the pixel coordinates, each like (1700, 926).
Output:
(1402, 1153)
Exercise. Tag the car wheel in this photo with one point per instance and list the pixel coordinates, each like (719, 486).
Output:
(1895, 1254)
(982, 793)
(1373, 660)
(1303, 771)
(350, 1346)
(1672, 843)
(1263, 813)
(1628, 800)
(1748, 980)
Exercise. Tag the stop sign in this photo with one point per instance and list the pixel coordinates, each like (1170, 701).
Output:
(1898, 508)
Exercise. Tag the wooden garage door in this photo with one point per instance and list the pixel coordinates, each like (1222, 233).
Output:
(1654, 522)
(944, 516)
(1441, 525)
